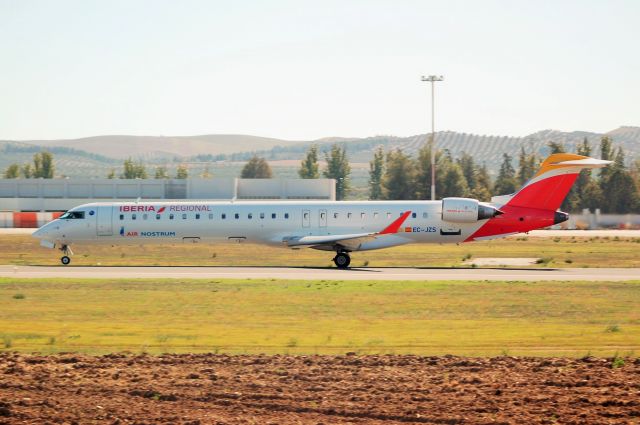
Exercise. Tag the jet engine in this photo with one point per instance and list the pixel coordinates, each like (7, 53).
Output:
(466, 210)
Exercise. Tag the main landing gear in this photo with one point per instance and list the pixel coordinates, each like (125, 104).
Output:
(65, 260)
(342, 260)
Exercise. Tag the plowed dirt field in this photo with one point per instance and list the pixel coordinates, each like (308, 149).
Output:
(221, 389)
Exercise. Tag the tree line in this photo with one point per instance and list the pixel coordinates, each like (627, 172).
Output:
(394, 175)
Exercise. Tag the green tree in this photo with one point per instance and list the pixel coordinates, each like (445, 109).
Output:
(606, 153)
(256, 168)
(182, 172)
(591, 196)
(161, 173)
(527, 166)
(506, 182)
(112, 174)
(556, 147)
(43, 165)
(469, 170)
(450, 181)
(423, 172)
(309, 165)
(27, 171)
(399, 175)
(376, 174)
(12, 172)
(482, 189)
(338, 168)
(575, 200)
(133, 170)
(618, 187)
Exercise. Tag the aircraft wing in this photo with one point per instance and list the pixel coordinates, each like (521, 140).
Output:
(349, 241)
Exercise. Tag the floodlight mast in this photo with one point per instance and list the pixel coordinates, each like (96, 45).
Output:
(432, 79)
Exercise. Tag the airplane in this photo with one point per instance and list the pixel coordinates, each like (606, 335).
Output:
(342, 227)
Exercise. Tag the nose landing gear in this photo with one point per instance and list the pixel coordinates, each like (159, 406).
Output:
(65, 260)
(342, 260)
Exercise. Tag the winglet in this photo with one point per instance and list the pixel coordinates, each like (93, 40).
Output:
(395, 226)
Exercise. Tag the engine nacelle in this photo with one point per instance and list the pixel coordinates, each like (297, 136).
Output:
(466, 210)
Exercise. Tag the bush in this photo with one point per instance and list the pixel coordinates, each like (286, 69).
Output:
(612, 328)
(19, 297)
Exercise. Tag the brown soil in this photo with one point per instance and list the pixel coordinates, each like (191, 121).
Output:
(220, 389)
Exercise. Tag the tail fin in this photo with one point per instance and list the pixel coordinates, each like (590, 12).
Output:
(550, 185)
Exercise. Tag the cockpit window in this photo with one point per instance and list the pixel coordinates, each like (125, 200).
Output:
(71, 215)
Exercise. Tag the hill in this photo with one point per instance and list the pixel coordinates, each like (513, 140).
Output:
(96, 156)
(164, 147)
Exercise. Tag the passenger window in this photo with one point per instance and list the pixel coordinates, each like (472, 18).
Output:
(197, 216)
(170, 216)
(322, 215)
(375, 215)
(145, 216)
(158, 216)
(335, 215)
(348, 215)
(237, 216)
(121, 216)
(273, 215)
(224, 216)
(425, 215)
(414, 215)
(306, 215)
(210, 216)
(261, 215)
(184, 216)
(286, 215)
(133, 216)
(363, 216)
(250, 216)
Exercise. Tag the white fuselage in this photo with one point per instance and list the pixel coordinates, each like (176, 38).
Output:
(263, 222)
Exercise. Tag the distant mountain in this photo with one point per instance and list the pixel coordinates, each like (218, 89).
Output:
(163, 147)
(95, 156)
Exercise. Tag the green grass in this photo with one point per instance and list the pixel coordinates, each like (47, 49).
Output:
(566, 252)
(264, 316)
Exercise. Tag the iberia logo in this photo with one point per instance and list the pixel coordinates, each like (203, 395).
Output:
(408, 229)
(141, 208)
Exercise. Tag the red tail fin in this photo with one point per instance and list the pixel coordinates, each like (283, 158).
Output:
(550, 185)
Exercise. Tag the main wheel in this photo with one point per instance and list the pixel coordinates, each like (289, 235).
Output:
(342, 260)
(65, 260)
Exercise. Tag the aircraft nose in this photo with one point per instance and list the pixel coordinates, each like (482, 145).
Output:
(39, 233)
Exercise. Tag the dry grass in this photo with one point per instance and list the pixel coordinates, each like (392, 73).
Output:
(556, 252)
(254, 316)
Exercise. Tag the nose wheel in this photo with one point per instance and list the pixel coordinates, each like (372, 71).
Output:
(342, 260)
(65, 260)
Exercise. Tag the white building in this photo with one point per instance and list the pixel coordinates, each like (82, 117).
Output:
(63, 194)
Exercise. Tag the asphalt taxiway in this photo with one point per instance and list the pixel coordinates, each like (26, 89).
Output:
(304, 273)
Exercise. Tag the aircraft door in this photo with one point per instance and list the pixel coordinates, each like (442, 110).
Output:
(322, 218)
(104, 223)
(306, 218)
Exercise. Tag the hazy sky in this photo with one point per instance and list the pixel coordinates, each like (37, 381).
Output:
(308, 69)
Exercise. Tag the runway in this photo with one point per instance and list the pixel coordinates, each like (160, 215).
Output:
(304, 273)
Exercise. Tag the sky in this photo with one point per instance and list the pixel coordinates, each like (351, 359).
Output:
(302, 70)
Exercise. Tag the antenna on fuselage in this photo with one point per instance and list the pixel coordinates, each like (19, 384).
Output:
(138, 200)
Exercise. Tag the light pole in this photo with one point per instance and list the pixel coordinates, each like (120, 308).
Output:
(432, 79)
